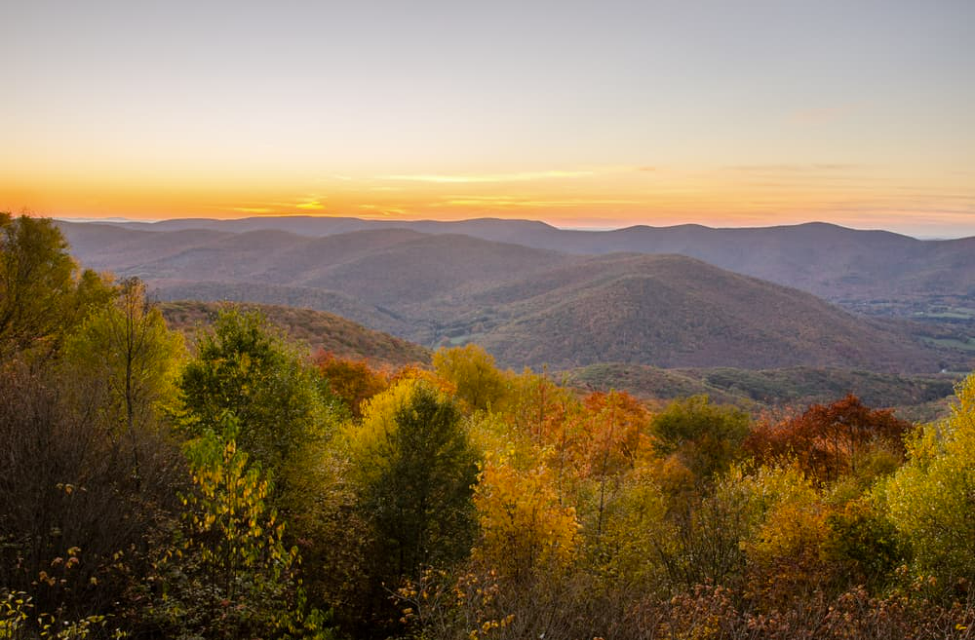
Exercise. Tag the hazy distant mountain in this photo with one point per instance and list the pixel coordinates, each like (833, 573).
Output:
(529, 306)
(831, 261)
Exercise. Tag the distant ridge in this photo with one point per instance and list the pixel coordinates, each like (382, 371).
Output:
(831, 261)
(529, 306)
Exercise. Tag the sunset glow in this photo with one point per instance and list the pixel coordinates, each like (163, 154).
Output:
(581, 114)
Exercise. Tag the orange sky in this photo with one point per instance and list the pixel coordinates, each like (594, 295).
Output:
(598, 197)
(580, 114)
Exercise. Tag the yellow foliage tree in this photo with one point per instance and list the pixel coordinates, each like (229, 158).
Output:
(470, 369)
(524, 525)
(930, 499)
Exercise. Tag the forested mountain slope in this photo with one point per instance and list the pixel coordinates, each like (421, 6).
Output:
(529, 306)
(318, 330)
(830, 261)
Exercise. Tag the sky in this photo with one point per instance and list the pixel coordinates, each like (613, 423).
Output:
(582, 114)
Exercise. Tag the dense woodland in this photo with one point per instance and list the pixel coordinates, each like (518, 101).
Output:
(233, 486)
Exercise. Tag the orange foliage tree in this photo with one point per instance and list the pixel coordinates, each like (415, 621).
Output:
(352, 380)
(830, 440)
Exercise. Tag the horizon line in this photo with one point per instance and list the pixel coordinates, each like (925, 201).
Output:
(585, 228)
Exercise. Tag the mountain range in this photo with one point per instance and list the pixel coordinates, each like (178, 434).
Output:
(533, 305)
(832, 262)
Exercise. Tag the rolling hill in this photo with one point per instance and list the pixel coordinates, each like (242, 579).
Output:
(864, 269)
(528, 306)
(673, 311)
(316, 329)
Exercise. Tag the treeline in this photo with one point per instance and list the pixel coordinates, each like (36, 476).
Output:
(238, 488)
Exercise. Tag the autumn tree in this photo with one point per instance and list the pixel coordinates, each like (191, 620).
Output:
(416, 469)
(930, 499)
(834, 439)
(478, 383)
(537, 407)
(526, 531)
(607, 436)
(43, 293)
(705, 438)
(351, 380)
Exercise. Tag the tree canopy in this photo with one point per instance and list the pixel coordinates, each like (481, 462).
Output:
(43, 293)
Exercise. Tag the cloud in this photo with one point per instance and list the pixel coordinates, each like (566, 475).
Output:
(313, 205)
(386, 211)
(252, 209)
(508, 202)
(792, 168)
(523, 176)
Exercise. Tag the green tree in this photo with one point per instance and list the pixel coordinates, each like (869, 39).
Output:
(705, 438)
(244, 368)
(416, 470)
(43, 294)
(129, 359)
(228, 573)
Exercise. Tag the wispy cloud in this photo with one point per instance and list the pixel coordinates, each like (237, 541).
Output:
(522, 176)
(513, 202)
(792, 168)
(251, 209)
(310, 204)
(386, 211)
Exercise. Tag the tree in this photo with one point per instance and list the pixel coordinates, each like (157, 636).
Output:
(599, 443)
(525, 528)
(831, 440)
(243, 368)
(704, 437)
(74, 522)
(228, 573)
(351, 380)
(931, 499)
(43, 294)
(479, 385)
(130, 359)
(416, 470)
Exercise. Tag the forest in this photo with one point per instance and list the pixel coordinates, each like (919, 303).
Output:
(233, 484)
